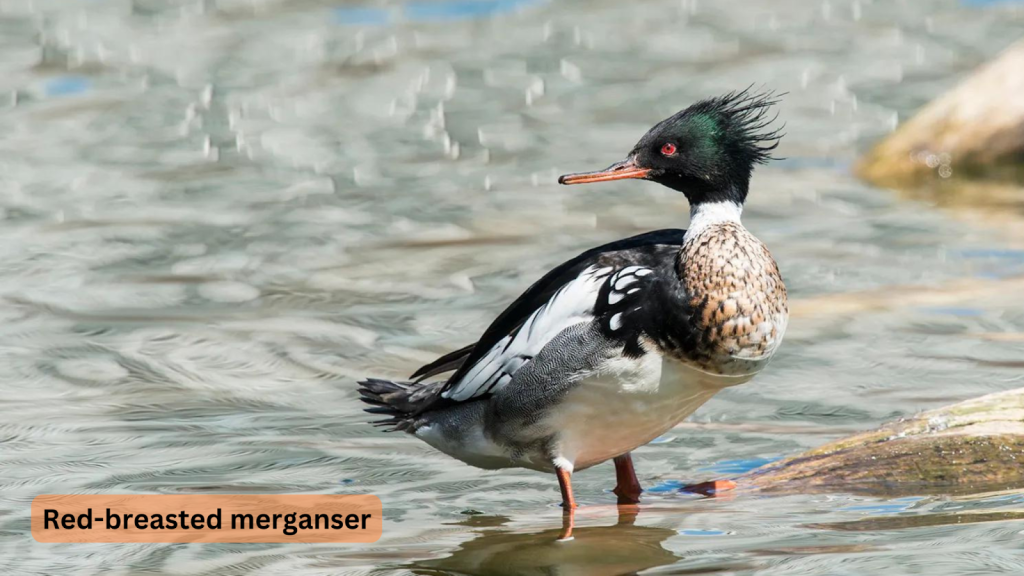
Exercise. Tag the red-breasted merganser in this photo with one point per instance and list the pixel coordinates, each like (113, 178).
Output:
(613, 348)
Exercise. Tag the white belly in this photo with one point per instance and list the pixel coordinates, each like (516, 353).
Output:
(627, 404)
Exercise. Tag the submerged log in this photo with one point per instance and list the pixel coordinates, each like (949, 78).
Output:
(967, 448)
(977, 129)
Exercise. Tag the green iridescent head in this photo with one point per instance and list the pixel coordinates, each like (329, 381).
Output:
(707, 151)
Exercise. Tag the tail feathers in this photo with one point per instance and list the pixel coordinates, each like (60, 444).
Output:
(448, 362)
(402, 401)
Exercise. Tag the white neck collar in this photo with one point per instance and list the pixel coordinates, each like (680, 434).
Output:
(708, 213)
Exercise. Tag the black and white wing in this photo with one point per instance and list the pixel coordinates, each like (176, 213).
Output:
(572, 304)
(603, 285)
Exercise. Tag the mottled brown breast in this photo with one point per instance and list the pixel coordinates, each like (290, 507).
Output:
(737, 295)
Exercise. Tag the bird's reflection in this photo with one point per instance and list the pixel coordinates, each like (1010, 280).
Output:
(623, 548)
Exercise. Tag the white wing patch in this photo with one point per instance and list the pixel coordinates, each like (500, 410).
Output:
(616, 321)
(621, 282)
(571, 304)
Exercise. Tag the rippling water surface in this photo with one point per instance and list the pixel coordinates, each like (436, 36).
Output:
(216, 214)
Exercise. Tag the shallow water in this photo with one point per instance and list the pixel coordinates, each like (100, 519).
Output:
(217, 214)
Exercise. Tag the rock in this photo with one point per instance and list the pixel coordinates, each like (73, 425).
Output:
(977, 129)
(971, 447)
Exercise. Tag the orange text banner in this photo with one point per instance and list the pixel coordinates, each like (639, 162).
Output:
(235, 518)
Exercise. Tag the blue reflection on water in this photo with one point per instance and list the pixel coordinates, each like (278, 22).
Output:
(738, 466)
(702, 532)
(983, 3)
(724, 467)
(426, 11)
(995, 263)
(994, 253)
(665, 486)
(460, 9)
(953, 311)
(67, 85)
(363, 15)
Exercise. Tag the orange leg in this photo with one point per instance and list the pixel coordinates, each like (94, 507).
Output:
(568, 521)
(565, 483)
(627, 487)
(568, 503)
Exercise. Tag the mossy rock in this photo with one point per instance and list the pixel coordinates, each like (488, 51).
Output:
(972, 447)
(975, 130)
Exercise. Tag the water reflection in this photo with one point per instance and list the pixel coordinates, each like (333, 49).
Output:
(989, 203)
(624, 548)
(920, 521)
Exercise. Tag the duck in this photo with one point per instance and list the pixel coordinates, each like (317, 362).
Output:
(616, 346)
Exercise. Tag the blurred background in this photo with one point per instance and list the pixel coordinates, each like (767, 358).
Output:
(216, 214)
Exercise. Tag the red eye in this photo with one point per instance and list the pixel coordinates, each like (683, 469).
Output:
(668, 149)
